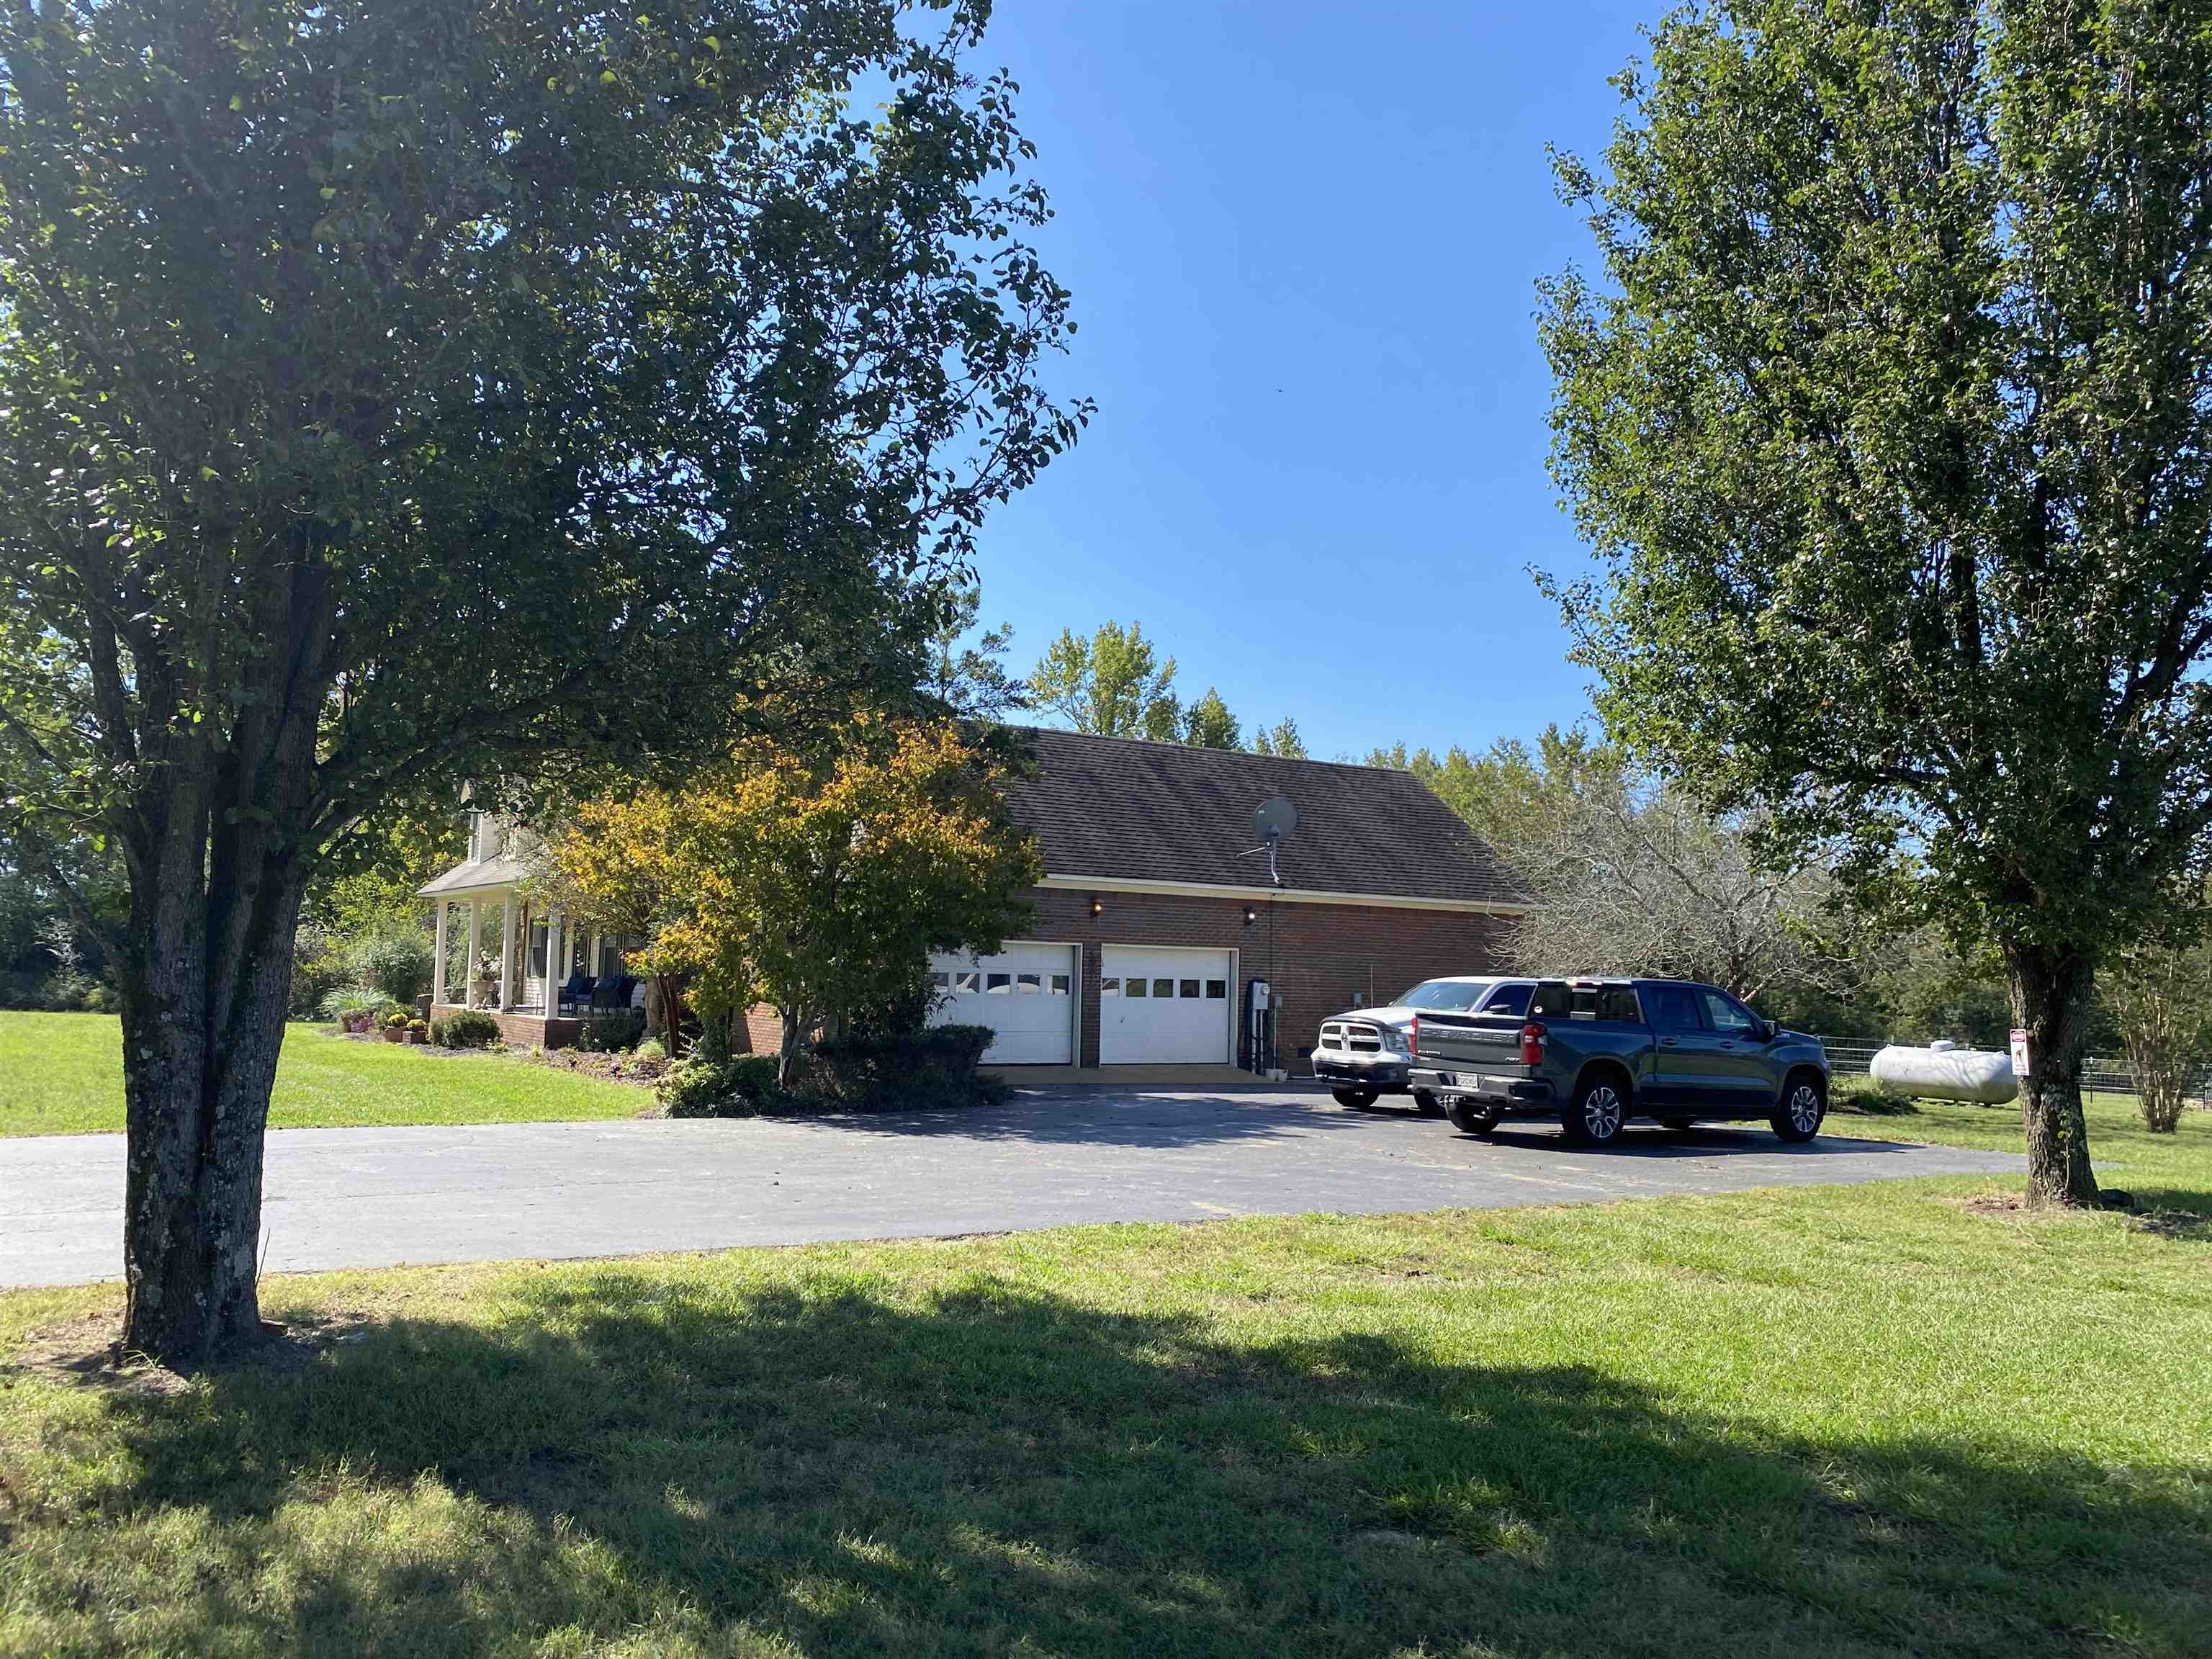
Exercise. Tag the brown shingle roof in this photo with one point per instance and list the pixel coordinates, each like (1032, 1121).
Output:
(1119, 808)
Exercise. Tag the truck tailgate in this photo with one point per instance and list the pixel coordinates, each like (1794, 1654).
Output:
(1485, 1042)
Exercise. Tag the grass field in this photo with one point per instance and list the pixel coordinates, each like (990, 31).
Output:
(1830, 1421)
(62, 1074)
(2159, 1171)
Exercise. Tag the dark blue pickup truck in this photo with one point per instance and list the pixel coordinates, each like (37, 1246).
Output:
(1595, 1053)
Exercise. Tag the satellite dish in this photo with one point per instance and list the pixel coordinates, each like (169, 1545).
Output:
(1274, 820)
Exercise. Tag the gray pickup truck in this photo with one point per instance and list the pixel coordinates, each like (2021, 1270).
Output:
(1595, 1053)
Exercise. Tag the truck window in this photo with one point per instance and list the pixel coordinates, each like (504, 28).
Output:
(1553, 999)
(1509, 1000)
(1728, 1016)
(1672, 1008)
(1616, 1005)
(1446, 996)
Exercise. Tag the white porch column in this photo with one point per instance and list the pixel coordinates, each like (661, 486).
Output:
(475, 950)
(506, 908)
(438, 962)
(556, 969)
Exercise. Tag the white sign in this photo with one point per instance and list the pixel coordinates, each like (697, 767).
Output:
(2021, 1066)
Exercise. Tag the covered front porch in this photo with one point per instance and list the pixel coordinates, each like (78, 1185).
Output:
(523, 963)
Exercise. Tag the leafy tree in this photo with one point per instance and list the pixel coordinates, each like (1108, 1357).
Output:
(1932, 990)
(373, 882)
(2159, 995)
(966, 671)
(393, 388)
(1889, 423)
(819, 889)
(1112, 685)
(1281, 738)
(1207, 724)
(1628, 875)
(1502, 792)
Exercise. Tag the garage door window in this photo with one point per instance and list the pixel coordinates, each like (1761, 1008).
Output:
(1028, 984)
(1110, 988)
(1190, 988)
(1162, 988)
(942, 981)
(1216, 989)
(1060, 985)
(998, 985)
(967, 983)
(1136, 988)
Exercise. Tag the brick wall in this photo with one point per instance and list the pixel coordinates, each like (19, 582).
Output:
(1321, 958)
(761, 1032)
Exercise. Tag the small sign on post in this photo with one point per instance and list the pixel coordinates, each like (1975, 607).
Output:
(2023, 1055)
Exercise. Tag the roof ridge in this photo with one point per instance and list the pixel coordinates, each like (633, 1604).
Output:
(1208, 749)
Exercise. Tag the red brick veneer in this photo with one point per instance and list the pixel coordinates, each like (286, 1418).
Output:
(1321, 958)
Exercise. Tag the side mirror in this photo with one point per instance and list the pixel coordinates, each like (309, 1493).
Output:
(1768, 1030)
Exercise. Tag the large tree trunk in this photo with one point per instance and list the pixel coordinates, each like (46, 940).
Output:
(197, 1078)
(2052, 996)
(217, 870)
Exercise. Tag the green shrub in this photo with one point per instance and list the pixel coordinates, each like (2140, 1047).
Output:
(318, 968)
(737, 1087)
(351, 1000)
(753, 1076)
(1876, 1100)
(650, 1049)
(396, 961)
(911, 1071)
(470, 1028)
(606, 1032)
(65, 991)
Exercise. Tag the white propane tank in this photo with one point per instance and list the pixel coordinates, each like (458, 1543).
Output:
(1945, 1072)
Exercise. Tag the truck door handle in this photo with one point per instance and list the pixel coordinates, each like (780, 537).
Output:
(1727, 1045)
(1665, 1043)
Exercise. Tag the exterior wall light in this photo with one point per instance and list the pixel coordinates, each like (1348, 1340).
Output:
(1251, 915)
(1097, 905)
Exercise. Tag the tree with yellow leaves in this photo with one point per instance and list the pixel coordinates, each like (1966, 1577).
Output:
(818, 887)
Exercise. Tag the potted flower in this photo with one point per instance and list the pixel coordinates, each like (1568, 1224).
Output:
(486, 980)
(418, 1031)
(395, 1027)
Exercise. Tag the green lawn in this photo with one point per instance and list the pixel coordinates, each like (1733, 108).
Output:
(62, 1074)
(1833, 1421)
(2169, 1171)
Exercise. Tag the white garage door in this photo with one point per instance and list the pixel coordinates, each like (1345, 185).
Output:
(1026, 994)
(1166, 1006)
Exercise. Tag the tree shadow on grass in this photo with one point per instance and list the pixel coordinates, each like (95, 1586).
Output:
(685, 1465)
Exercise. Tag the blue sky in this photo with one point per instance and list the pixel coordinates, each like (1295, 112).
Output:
(1302, 239)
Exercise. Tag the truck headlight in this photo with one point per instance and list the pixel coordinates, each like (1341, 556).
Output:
(1395, 1041)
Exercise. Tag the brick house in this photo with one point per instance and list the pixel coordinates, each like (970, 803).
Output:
(1154, 920)
(1157, 914)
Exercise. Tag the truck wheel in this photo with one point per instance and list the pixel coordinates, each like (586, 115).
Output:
(1599, 1109)
(1358, 1099)
(1470, 1119)
(1804, 1103)
(1425, 1102)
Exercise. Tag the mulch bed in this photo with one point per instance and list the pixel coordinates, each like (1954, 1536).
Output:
(614, 1067)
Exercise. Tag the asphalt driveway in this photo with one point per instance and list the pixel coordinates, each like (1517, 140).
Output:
(368, 1198)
